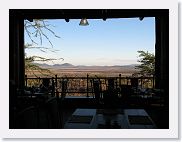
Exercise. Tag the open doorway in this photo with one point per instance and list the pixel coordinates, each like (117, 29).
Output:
(94, 89)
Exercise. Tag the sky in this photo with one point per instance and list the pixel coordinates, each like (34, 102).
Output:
(103, 43)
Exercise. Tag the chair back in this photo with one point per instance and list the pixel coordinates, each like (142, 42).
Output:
(27, 118)
(97, 89)
(64, 87)
(53, 115)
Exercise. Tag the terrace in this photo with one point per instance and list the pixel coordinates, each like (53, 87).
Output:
(71, 93)
(90, 87)
(100, 102)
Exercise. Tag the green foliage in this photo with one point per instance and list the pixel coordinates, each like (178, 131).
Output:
(31, 68)
(147, 66)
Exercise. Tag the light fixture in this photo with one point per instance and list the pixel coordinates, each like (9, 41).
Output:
(67, 20)
(141, 18)
(104, 18)
(84, 22)
(104, 14)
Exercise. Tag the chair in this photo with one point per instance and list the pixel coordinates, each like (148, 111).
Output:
(47, 87)
(53, 115)
(27, 118)
(64, 87)
(110, 96)
(97, 90)
(126, 92)
(134, 82)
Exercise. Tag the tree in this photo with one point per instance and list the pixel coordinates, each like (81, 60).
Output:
(36, 31)
(147, 63)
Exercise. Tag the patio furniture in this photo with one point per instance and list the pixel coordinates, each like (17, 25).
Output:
(53, 115)
(64, 87)
(97, 91)
(27, 118)
(81, 119)
(139, 119)
(110, 119)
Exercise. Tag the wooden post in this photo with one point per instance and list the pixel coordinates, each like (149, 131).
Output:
(57, 94)
(119, 80)
(87, 85)
(53, 87)
(26, 80)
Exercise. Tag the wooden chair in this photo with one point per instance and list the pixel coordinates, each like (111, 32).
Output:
(126, 92)
(110, 96)
(97, 90)
(64, 87)
(27, 118)
(53, 114)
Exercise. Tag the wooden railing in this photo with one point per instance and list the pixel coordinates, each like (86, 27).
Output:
(83, 86)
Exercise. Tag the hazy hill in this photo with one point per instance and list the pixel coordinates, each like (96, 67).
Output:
(62, 65)
(70, 66)
(82, 70)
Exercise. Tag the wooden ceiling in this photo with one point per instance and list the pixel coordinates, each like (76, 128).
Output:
(87, 13)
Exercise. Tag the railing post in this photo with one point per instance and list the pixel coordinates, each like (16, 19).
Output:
(26, 80)
(153, 79)
(119, 80)
(87, 85)
(57, 95)
(141, 82)
(56, 81)
(53, 87)
(39, 80)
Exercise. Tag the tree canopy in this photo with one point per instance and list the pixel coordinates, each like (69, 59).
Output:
(147, 63)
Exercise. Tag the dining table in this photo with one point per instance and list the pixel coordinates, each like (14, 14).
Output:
(86, 118)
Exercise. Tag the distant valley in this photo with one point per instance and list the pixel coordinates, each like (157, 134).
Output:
(82, 70)
(70, 66)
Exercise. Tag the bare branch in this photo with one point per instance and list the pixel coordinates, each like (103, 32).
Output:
(45, 26)
(36, 29)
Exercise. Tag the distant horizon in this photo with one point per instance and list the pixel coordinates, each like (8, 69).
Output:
(83, 65)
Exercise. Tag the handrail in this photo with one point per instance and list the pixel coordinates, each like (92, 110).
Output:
(83, 85)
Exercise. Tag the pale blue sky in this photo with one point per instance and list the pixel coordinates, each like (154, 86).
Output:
(110, 42)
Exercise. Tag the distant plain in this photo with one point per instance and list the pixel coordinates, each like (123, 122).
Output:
(82, 71)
